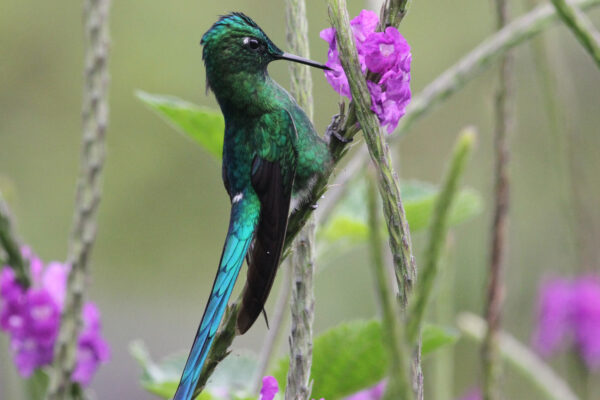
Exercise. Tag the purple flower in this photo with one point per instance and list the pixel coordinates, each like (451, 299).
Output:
(586, 319)
(554, 308)
(42, 316)
(363, 25)
(570, 309)
(386, 54)
(473, 394)
(372, 393)
(269, 388)
(32, 319)
(92, 350)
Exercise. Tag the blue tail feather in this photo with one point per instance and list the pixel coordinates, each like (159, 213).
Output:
(243, 222)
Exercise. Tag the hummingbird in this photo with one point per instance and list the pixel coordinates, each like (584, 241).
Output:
(271, 152)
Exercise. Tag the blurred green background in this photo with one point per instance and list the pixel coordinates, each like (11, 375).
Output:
(164, 211)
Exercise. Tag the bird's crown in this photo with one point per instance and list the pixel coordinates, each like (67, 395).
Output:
(234, 25)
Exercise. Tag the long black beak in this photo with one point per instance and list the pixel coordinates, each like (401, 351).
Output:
(301, 60)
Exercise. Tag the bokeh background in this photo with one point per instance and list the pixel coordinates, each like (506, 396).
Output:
(164, 211)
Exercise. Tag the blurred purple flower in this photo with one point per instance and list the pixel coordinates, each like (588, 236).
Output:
(554, 308)
(269, 388)
(586, 319)
(570, 308)
(92, 349)
(32, 319)
(472, 394)
(372, 393)
(384, 53)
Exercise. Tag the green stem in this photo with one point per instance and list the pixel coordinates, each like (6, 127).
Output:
(87, 199)
(443, 374)
(399, 386)
(387, 179)
(520, 357)
(581, 27)
(299, 383)
(438, 230)
(392, 13)
(12, 246)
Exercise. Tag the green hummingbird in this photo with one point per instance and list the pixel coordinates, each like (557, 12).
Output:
(271, 151)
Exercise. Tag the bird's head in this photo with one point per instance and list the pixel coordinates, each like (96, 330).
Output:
(236, 43)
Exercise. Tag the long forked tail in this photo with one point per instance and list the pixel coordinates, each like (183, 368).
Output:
(242, 224)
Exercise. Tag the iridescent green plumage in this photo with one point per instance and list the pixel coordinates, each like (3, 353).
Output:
(271, 149)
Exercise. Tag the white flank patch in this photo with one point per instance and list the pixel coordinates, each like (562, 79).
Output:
(237, 197)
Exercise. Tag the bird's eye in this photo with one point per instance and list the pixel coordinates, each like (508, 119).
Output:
(251, 43)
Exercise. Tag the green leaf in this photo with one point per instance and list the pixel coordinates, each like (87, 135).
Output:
(160, 379)
(346, 359)
(233, 374)
(203, 125)
(419, 199)
(435, 336)
(349, 219)
(37, 385)
(348, 227)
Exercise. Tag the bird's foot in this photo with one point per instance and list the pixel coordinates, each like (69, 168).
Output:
(333, 130)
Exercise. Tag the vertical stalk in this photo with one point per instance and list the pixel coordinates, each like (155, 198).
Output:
(503, 125)
(299, 384)
(438, 229)
(88, 193)
(387, 179)
(398, 386)
(442, 372)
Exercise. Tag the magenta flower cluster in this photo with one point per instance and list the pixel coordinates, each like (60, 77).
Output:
(372, 393)
(570, 309)
(31, 317)
(386, 54)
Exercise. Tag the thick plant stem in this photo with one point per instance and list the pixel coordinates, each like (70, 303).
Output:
(303, 261)
(581, 27)
(95, 120)
(387, 180)
(399, 386)
(299, 384)
(10, 243)
(492, 363)
(520, 357)
(438, 229)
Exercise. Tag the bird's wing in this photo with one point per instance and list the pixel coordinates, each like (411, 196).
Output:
(242, 224)
(273, 171)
